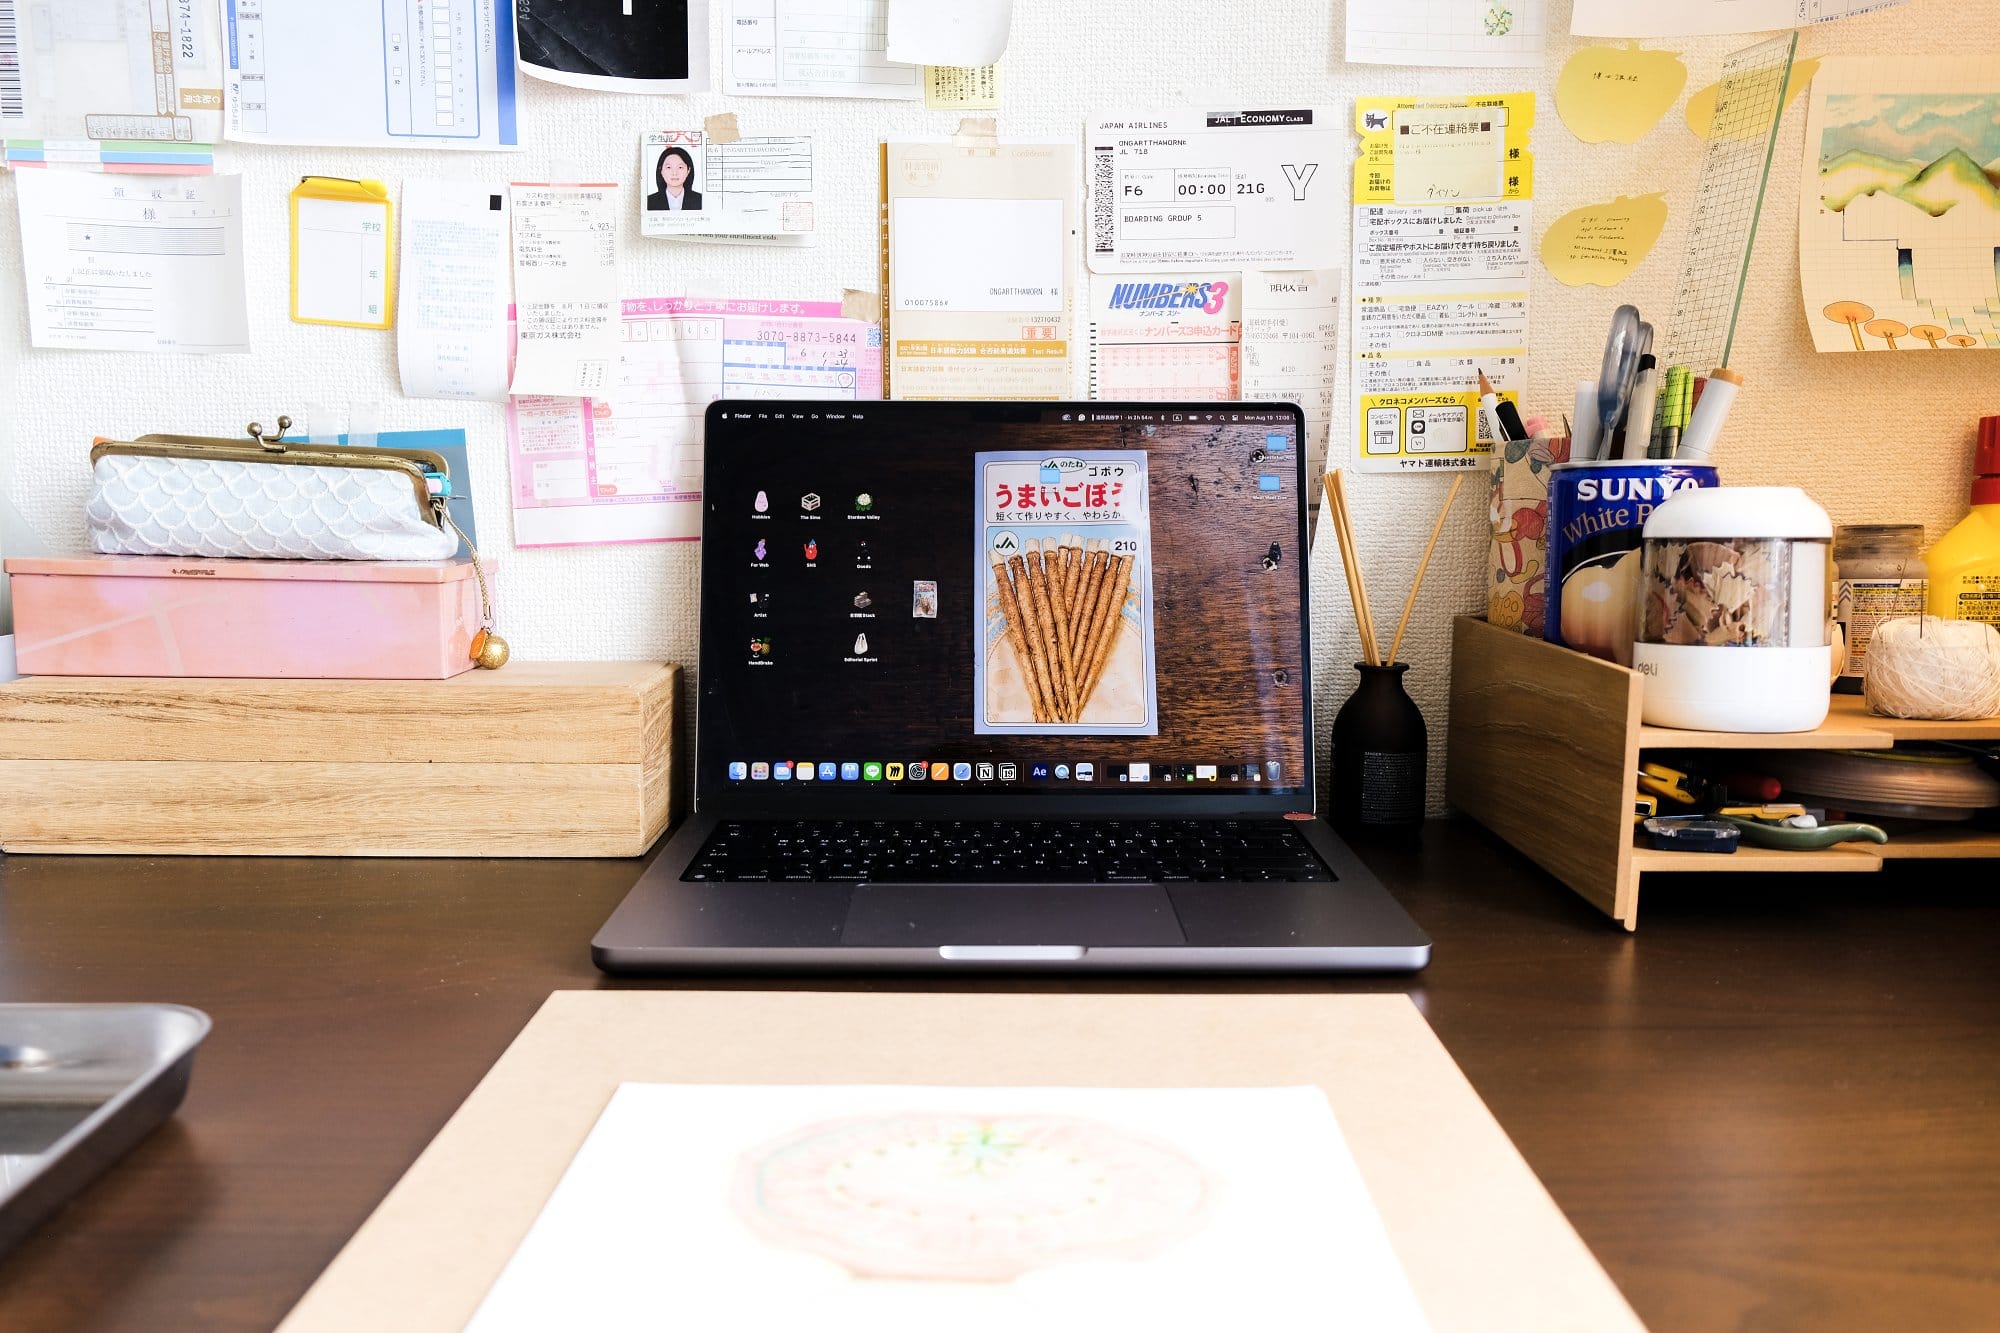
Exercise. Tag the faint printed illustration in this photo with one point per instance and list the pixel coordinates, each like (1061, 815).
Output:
(944, 1196)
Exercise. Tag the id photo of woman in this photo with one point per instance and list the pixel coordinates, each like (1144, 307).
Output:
(674, 177)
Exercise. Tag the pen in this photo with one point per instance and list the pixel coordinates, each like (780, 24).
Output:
(1672, 412)
(1705, 422)
(1639, 416)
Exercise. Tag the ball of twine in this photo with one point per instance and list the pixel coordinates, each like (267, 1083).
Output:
(1929, 667)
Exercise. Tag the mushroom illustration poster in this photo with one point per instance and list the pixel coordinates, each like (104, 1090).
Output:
(1899, 212)
(1065, 628)
(974, 1210)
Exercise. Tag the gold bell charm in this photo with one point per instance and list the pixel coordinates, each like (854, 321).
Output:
(489, 650)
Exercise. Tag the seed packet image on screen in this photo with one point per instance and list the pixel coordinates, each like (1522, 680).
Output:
(1065, 629)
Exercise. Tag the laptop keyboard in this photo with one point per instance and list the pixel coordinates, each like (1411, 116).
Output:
(1007, 851)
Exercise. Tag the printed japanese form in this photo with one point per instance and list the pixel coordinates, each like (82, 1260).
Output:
(691, 185)
(343, 248)
(973, 1210)
(372, 73)
(1506, 34)
(565, 287)
(1709, 18)
(454, 339)
(615, 46)
(1166, 337)
(1899, 204)
(626, 465)
(1291, 339)
(814, 48)
(134, 263)
(118, 84)
(978, 267)
(1065, 626)
(1443, 244)
(1236, 189)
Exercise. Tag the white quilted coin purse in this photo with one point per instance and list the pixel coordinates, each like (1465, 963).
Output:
(266, 499)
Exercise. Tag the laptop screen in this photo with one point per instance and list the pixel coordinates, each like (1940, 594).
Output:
(906, 598)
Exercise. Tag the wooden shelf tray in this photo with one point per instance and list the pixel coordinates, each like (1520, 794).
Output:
(1543, 743)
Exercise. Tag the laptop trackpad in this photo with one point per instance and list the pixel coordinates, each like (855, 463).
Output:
(927, 916)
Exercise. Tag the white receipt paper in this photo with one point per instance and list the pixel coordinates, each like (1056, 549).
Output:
(371, 73)
(1194, 189)
(964, 33)
(134, 264)
(1709, 18)
(971, 1209)
(453, 338)
(814, 48)
(565, 287)
(1291, 344)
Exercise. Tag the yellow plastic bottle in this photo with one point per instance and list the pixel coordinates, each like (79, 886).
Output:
(1964, 567)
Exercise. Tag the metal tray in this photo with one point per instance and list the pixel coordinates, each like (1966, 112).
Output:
(80, 1084)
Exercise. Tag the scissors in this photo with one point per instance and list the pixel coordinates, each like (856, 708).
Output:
(1621, 367)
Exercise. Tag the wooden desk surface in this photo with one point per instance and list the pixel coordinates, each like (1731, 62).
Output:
(1775, 1107)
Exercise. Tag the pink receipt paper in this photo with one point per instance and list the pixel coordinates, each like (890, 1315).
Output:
(626, 466)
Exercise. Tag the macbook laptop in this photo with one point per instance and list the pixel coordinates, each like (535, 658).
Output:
(996, 685)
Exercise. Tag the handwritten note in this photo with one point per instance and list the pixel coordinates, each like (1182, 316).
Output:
(1618, 93)
(1599, 245)
(454, 340)
(565, 287)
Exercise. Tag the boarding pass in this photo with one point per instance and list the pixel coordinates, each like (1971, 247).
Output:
(1223, 189)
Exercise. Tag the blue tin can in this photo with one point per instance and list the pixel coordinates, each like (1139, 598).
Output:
(1596, 512)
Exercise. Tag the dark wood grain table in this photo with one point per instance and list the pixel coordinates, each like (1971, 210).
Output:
(1777, 1106)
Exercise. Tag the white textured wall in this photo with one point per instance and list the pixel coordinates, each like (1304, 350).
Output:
(1884, 438)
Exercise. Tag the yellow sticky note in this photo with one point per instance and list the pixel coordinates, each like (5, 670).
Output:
(343, 253)
(1701, 107)
(1599, 245)
(1618, 93)
(951, 88)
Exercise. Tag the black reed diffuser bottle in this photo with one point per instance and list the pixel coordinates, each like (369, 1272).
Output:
(1380, 756)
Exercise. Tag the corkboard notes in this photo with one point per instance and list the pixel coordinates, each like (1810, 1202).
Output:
(1599, 245)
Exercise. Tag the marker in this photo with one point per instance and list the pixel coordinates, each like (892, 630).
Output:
(1671, 414)
(1705, 423)
(1583, 432)
(1639, 416)
(1507, 417)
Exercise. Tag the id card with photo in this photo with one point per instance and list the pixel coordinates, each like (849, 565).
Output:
(1215, 189)
(690, 185)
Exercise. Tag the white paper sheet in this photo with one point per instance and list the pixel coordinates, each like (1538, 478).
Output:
(962, 32)
(1490, 34)
(1899, 207)
(1291, 346)
(1215, 189)
(565, 287)
(372, 73)
(453, 338)
(616, 46)
(134, 263)
(626, 464)
(973, 1210)
(745, 188)
(146, 77)
(814, 48)
(1709, 18)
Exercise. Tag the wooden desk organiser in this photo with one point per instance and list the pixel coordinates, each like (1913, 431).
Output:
(1544, 741)
(536, 759)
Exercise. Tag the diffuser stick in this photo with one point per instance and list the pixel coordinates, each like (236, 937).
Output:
(1350, 559)
(1423, 564)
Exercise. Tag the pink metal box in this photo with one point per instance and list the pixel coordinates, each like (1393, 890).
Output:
(156, 615)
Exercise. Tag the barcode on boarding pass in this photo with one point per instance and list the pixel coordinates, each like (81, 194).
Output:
(13, 106)
(1103, 236)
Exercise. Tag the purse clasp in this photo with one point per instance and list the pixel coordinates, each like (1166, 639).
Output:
(276, 444)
